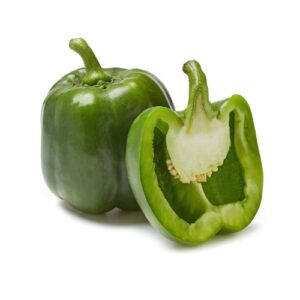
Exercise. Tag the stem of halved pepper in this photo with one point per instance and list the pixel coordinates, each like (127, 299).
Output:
(201, 144)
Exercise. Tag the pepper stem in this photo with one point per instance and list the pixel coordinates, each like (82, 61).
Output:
(199, 108)
(94, 72)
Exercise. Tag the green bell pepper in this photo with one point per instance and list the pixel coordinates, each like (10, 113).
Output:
(198, 172)
(85, 120)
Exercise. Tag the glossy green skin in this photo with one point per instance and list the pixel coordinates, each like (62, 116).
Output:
(84, 130)
(193, 213)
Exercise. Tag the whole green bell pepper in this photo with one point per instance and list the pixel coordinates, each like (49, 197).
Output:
(85, 120)
(198, 172)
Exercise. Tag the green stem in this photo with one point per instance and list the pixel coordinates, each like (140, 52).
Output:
(94, 72)
(199, 107)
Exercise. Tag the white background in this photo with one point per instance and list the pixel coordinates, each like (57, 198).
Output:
(246, 47)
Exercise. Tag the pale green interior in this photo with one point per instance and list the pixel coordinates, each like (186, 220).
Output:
(225, 186)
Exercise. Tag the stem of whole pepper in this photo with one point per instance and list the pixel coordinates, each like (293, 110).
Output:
(199, 109)
(94, 72)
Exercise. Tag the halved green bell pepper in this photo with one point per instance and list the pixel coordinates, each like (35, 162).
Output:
(198, 172)
(85, 120)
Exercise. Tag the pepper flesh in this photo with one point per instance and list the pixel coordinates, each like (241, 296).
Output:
(192, 212)
(85, 120)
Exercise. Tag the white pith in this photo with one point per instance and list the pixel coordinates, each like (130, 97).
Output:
(195, 154)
